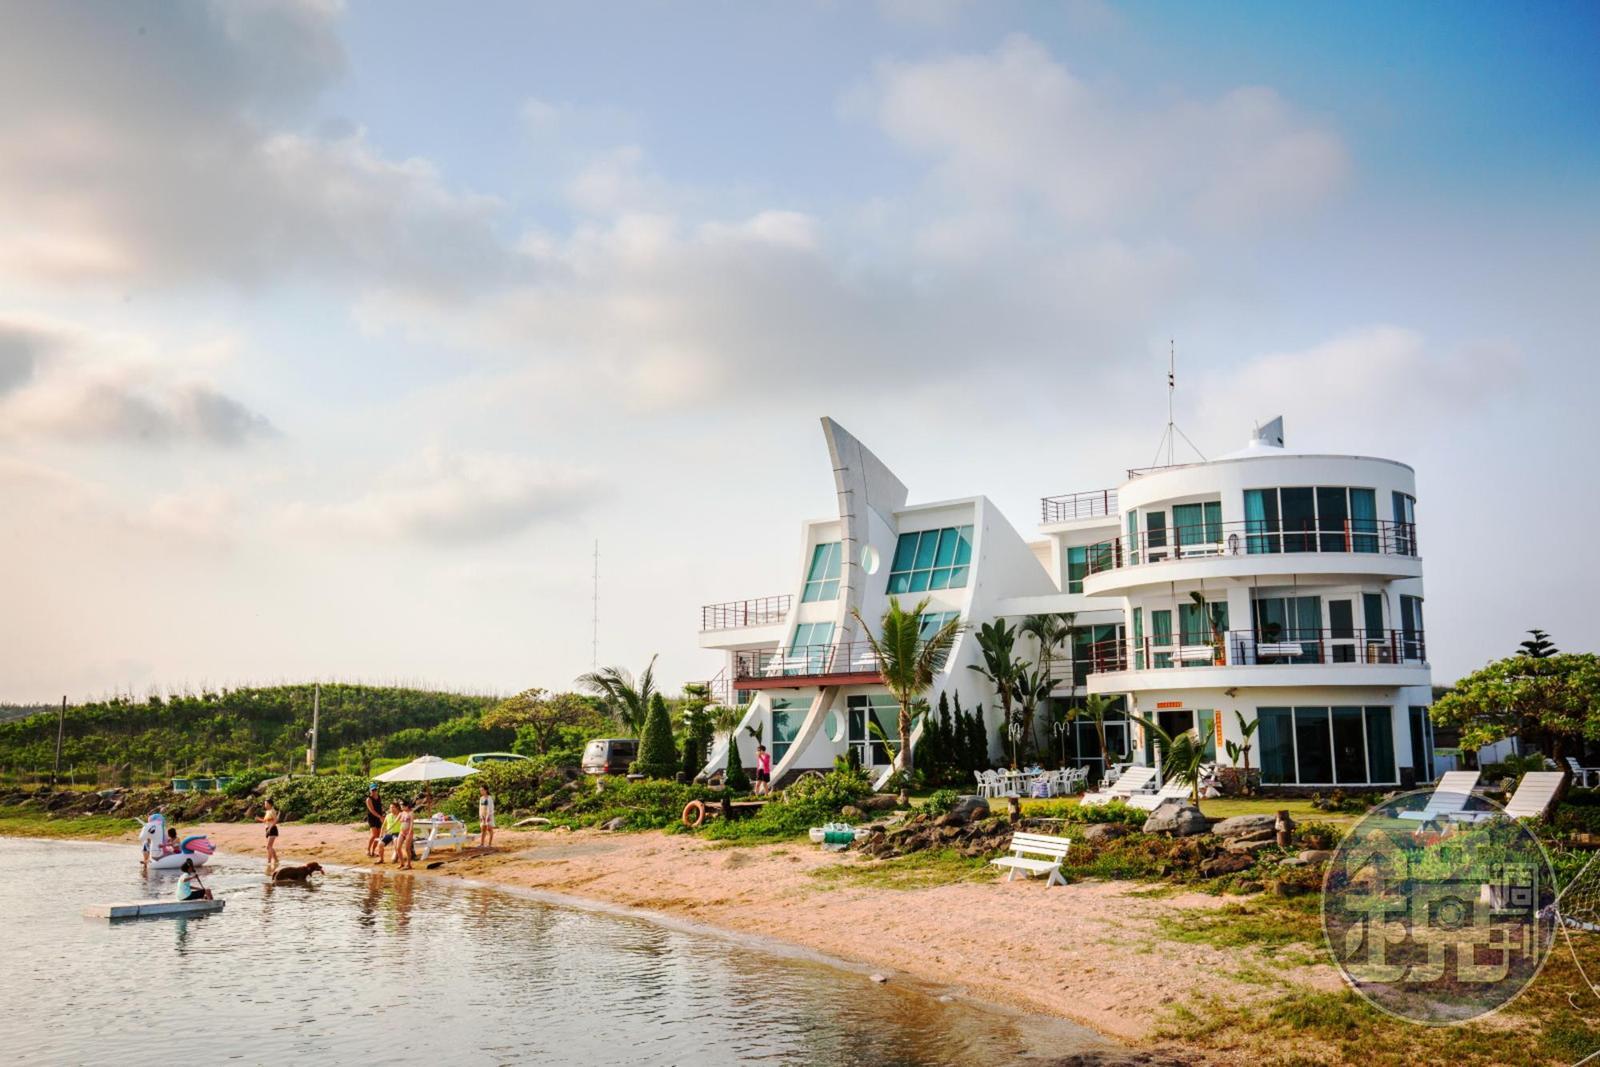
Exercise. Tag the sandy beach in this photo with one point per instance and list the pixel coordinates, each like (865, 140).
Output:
(1092, 952)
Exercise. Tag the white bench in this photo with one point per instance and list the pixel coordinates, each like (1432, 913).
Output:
(440, 833)
(1280, 648)
(1191, 653)
(1025, 845)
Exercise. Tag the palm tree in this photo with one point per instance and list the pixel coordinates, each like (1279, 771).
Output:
(1030, 688)
(1246, 729)
(1001, 665)
(628, 703)
(1096, 706)
(1051, 630)
(1182, 757)
(908, 664)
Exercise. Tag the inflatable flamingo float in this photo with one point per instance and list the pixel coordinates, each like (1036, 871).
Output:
(152, 842)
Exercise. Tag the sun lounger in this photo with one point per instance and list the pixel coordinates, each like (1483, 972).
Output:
(1449, 797)
(1173, 790)
(1023, 846)
(1532, 800)
(1585, 776)
(1133, 780)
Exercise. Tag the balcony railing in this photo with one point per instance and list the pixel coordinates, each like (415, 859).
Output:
(1256, 648)
(736, 614)
(753, 668)
(1253, 537)
(1093, 504)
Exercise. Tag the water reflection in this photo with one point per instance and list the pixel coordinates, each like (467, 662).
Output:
(330, 972)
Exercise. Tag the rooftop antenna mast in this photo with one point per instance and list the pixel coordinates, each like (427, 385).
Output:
(1169, 438)
(594, 613)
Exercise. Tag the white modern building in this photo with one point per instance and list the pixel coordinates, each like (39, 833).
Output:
(1265, 586)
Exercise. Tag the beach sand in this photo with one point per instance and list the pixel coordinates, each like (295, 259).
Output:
(1091, 952)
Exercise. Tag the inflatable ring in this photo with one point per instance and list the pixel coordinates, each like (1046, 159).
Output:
(694, 814)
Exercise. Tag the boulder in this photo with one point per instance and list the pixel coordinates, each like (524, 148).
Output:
(971, 807)
(1227, 863)
(1315, 855)
(1101, 832)
(1178, 818)
(880, 802)
(1241, 825)
(1250, 846)
(850, 811)
(615, 824)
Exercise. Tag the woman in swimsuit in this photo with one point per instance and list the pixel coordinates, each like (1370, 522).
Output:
(374, 820)
(402, 852)
(270, 817)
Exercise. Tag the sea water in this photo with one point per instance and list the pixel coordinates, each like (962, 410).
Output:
(375, 967)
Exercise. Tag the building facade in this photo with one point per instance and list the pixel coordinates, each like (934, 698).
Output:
(1264, 587)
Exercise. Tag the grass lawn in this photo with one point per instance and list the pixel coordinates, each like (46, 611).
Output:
(31, 822)
(1299, 808)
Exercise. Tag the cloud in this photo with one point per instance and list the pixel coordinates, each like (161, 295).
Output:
(73, 385)
(444, 498)
(150, 143)
(1013, 128)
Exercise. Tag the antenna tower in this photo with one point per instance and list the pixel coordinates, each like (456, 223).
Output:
(594, 613)
(1169, 438)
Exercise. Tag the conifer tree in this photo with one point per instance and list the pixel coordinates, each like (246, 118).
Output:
(658, 756)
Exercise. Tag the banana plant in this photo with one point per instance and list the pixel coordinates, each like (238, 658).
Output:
(1183, 757)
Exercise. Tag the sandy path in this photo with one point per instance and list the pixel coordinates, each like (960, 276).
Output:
(1090, 952)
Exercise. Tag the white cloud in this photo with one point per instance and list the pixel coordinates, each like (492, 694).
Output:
(60, 382)
(447, 498)
(1016, 128)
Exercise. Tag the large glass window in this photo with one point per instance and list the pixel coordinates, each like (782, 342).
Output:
(1133, 536)
(1276, 734)
(1405, 521)
(1298, 509)
(1313, 748)
(1421, 744)
(934, 621)
(822, 580)
(1327, 518)
(1349, 746)
(788, 713)
(1095, 647)
(1411, 631)
(1161, 638)
(1138, 639)
(1283, 621)
(1363, 520)
(931, 559)
(808, 650)
(1372, 615)
(1380, 745)
(1077, 567)
(865, 710)
(1155, 530)
(1261, 520)
(1333, 511)
(1197, 527)
(1202, 625)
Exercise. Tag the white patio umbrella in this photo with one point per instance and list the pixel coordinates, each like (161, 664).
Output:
(426, 769)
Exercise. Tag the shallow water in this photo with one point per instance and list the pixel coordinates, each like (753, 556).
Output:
(378, 966)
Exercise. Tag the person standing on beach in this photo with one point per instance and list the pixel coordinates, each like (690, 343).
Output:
(485, 816)
(374, 821)
(402, 853)
(391, 831)
(270, 817)
(763, 770)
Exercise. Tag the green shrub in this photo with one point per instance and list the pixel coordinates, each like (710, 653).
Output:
(333, 797)
(657, 756)
(518, 785)
(1318, 835)
(735, 778)
(942, 801)
(774, 822)
(1071, 811)
(647, 805)
(243, 785)
(832, 790)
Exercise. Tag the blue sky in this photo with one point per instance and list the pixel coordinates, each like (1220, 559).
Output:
(333, 336)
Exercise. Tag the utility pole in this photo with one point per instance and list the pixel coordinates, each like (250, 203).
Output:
(594, 613)
(316, 710)
(61, 725)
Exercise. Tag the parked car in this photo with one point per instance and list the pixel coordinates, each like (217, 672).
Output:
(610, 755)
(478, 759)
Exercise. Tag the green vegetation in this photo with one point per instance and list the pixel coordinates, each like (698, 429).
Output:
(1549, 699)
(809, 802)
(20, 821)
(120, 740)
(908, 662)
(658, 756)
(920, 870)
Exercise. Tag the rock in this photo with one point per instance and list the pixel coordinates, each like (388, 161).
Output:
(1315, 855)
(952, 818)
(1101, 832)
(1240, 825)
(532, 820)
(880, 979)
(881, 802)
(1227, 863)
(971, 807)
(1251, 846)
(1178, 818)
(615, 824)
(850, 811)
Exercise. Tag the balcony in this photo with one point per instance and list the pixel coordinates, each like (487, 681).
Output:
(1252, 538)
(852, 663)
(1278, 657)
(1097, 503)
(740, 614)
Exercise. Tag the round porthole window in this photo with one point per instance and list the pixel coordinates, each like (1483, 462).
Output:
(833, 726)
(870, 560)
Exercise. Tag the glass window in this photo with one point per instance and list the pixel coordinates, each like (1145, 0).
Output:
(1380, 746)
(1312, 746)
(788, 713)
(1349, 746)
(866, 709)
(1333, 512)
(934, 621)
(1155, 525)
(1405, 522)
(1077, 567)
(822, 580)
(1261, 520)
(1421, 744)
(1277, 745)
(1411, 631)
(1372, 613)
(1200, 626)
(1363, 520)
(1299, 517)
(1133, 537)
(1207, 725)
(1198, 525)
(809, 651)
(1138, 639)
(1161, 637)
(931, 559)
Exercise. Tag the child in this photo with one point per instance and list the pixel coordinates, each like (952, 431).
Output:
(485, 816)
(391, 831)
(189, 887)
(170, 845)
(403, 844)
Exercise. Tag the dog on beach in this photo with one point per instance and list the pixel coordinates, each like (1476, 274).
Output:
(297, 874)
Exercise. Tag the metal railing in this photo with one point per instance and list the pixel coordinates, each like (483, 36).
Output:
(1093, 504)
(1266, 647)
(736, 614)
(806, 661)
(1252, 537)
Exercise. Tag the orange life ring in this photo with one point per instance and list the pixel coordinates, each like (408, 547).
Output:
(697, 810)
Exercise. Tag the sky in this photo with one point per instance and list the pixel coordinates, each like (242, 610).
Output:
(333, 337)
